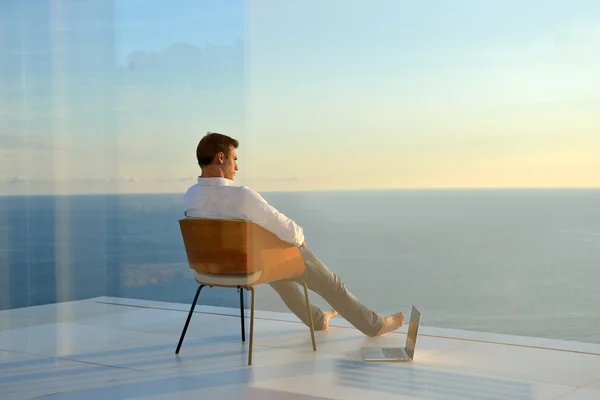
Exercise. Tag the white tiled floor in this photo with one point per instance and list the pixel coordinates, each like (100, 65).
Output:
(582, 394)
(109, 348)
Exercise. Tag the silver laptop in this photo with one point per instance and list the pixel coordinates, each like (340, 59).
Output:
(397, 354)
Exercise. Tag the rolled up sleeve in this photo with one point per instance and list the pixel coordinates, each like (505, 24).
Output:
(263, 214)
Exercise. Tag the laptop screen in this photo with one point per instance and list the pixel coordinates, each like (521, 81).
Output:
(413, 330)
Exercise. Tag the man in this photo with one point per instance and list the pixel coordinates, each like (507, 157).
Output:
(217, 196)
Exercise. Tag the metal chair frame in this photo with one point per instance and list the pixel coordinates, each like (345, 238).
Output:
(242, 316)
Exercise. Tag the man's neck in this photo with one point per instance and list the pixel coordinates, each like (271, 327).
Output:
(211, 173)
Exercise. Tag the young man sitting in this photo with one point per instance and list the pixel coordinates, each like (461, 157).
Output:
(217, 196)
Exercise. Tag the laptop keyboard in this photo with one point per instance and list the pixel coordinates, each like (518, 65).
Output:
(394, 353)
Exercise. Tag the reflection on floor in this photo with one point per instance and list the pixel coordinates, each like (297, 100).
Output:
(111, 348)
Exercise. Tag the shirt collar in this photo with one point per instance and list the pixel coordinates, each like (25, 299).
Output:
(215, 182)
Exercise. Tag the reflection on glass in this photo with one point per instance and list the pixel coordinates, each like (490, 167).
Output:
(446, 155)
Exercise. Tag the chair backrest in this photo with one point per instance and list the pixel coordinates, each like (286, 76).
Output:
(218, 246)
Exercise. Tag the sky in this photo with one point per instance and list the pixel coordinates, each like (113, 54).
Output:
(112, 96)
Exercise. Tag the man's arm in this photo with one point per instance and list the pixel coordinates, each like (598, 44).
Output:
(262, 213)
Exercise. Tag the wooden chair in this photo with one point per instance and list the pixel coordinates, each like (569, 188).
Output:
(239, 254)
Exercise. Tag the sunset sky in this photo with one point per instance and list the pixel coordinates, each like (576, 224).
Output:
(112, 96)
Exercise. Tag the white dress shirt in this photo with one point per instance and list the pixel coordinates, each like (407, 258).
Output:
(221, 198)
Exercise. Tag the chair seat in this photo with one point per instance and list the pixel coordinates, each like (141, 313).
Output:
(232, 280)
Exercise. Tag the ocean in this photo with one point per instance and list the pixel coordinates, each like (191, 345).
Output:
(523, 262)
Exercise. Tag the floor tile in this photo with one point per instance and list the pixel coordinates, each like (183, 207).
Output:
(48, 375)
(7, 357)
(544, 343)
(349, 341)
(152, 320)
(453, 333)
(538, 365)
(261, 314)
(198, 381)
(139, 303)
(49, 389)
(254, 393)
(218, 392)
(168, 387)
(342, 378)
(13, 362)
(229, 328)
(582, 394)
(79, 341)
(193, 356)
(594, 385)
(8, 322)
(62, 312)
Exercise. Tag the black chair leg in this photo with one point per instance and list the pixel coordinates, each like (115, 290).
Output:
(242, 313)
(187, 322)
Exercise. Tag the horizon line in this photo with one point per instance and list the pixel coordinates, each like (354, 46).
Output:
(417, 189)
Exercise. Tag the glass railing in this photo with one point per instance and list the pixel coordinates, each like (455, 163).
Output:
(504, 261)
(444, 157)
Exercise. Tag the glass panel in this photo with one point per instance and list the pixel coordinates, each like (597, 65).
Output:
(446, 154)
(101, 106)
(442, 154)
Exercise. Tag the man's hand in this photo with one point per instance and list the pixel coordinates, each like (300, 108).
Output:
(303, 244)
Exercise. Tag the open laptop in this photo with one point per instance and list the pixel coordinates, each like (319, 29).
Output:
(397, 354)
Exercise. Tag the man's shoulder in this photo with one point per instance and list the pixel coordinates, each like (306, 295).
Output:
(248, 192)
(245, 188)
(192, 188)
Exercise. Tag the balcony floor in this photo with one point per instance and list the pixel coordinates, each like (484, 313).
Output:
(115, 348)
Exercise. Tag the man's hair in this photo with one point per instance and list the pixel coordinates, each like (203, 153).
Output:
(211, 144)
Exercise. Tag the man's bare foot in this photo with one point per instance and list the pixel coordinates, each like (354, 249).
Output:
(391, 323)
(327, 315)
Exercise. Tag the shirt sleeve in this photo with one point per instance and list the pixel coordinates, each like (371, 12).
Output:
(263, 214)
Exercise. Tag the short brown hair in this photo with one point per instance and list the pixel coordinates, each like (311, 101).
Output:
(212, 144)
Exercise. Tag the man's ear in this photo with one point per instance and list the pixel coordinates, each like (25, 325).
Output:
(220, 157)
